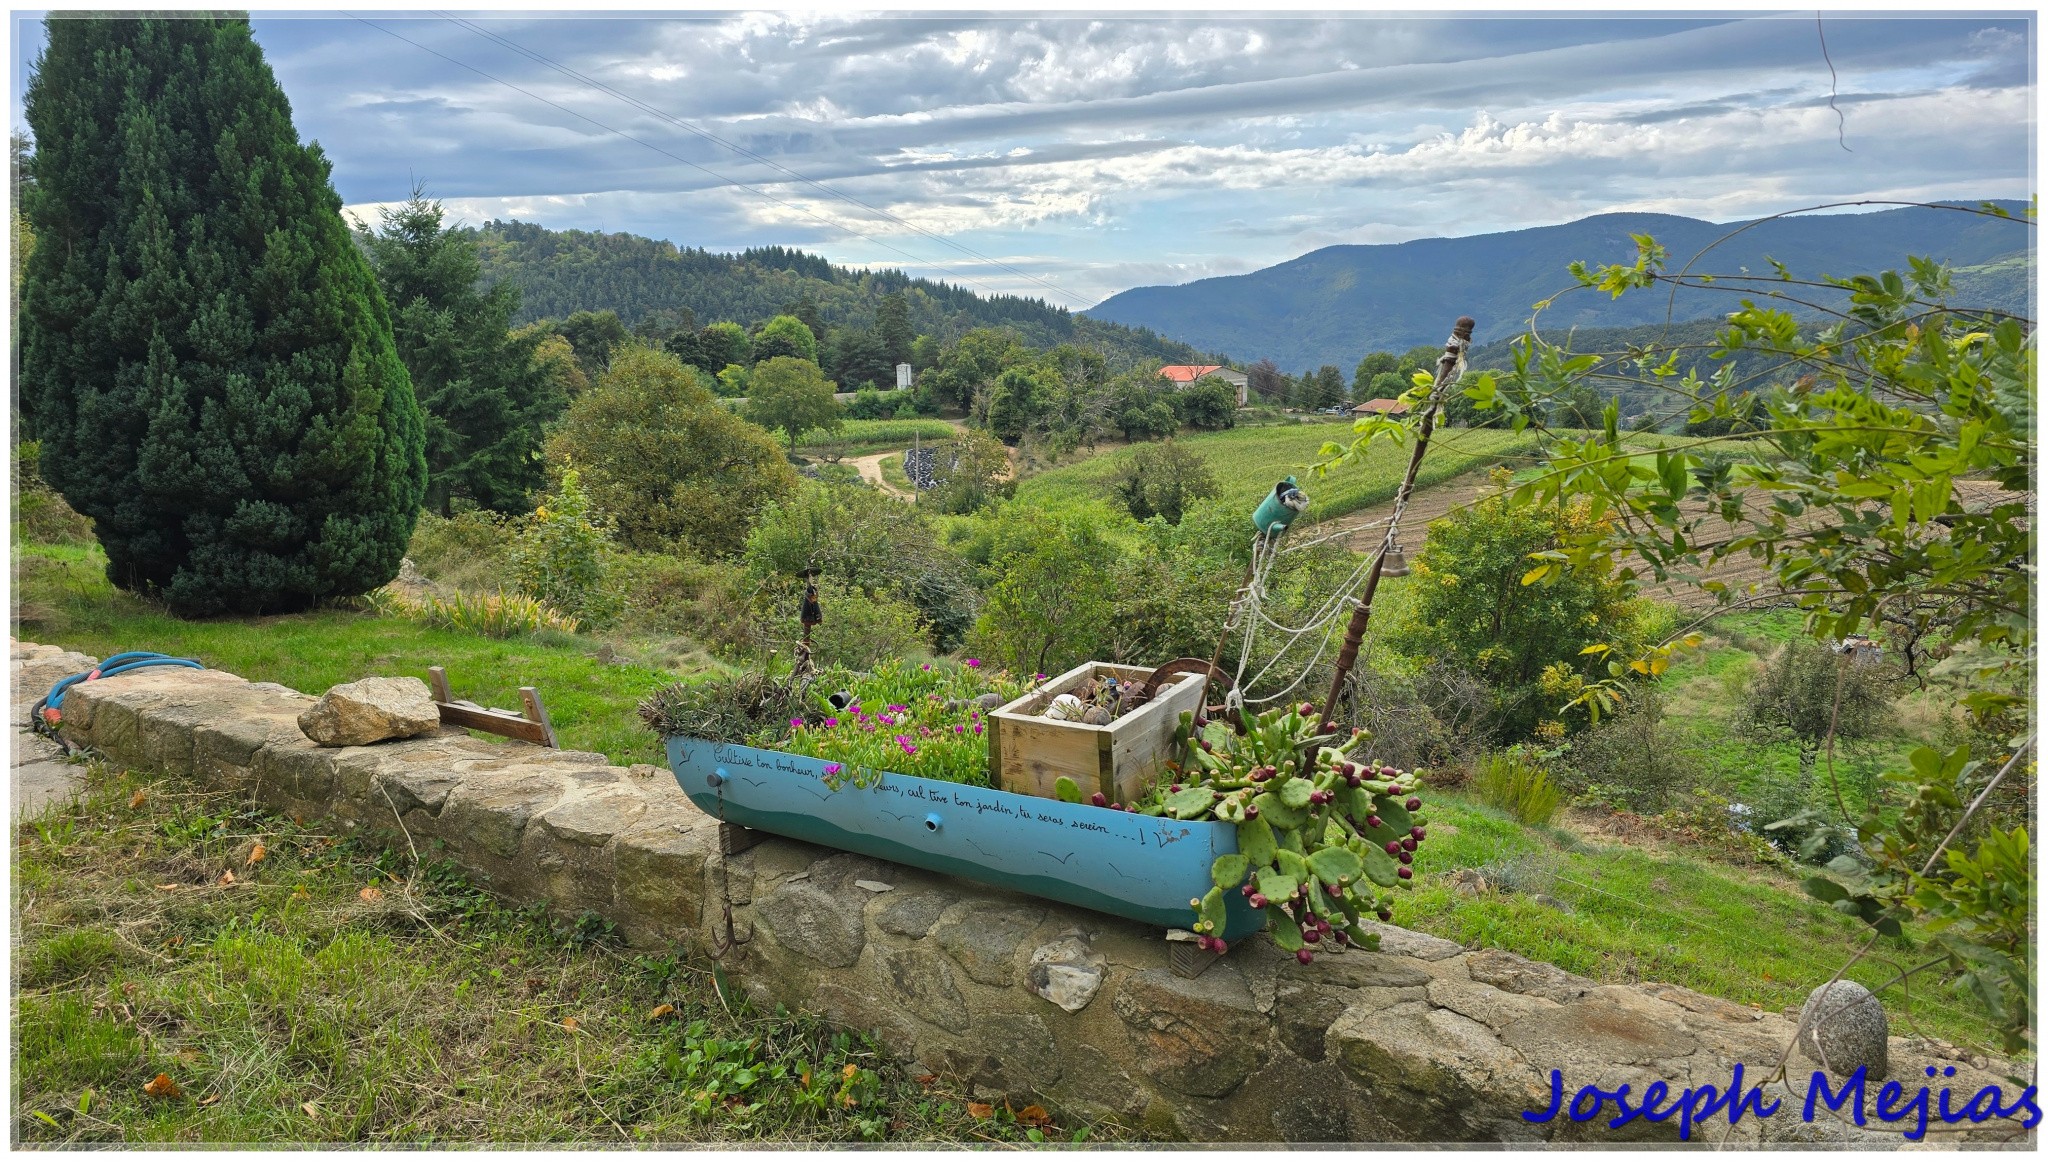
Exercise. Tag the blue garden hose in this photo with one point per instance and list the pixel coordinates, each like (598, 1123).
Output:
(48, 711)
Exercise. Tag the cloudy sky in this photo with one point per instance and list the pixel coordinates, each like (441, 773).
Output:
(1069, 157)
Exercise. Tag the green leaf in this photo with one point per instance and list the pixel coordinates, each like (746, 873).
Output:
(1255, 839)
(1380, 867)
(1277, 887)
(1190, 802)
(1280, 814)
(1824, 889)
(1393, 813)
(1066, 790)
(1295, 792)
(1285, 932)
(1212, 910)
(1293, 865)
(1229, 870)
(1334, 863)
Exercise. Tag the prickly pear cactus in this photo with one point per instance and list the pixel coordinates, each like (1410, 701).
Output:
(1321, 840)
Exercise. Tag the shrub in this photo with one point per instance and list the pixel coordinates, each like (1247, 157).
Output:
(1162, 480)
(469, 550)
(562, 555)
(1514, 782)
(206, 356)
(672, 467)
(667, 594)
(1635, 759)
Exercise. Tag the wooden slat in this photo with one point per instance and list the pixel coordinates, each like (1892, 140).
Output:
(437, 678)
(494, 722)
(537, 712)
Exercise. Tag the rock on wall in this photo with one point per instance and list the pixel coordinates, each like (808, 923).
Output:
(1006, 994)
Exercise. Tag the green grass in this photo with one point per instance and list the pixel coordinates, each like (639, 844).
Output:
(1750, 936)
(295, 1006)
(62, 598)
(892, 471)
(1246, 462)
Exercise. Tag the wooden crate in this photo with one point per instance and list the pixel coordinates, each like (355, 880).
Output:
(1028, 752)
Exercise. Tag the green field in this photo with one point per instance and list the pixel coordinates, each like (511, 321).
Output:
(860, 437)
(1247, 461)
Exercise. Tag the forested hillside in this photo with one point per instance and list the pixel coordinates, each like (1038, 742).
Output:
(560, 272)
(1338, 303)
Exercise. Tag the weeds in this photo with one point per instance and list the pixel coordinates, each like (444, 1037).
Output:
(1513, 782)
(486, 614)
(319, 993)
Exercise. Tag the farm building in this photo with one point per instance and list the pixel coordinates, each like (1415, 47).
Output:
(1183, 374)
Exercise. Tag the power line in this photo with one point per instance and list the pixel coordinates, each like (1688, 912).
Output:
(665, 153)
(707, 135)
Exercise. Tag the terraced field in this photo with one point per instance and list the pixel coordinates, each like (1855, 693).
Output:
(1247, 461)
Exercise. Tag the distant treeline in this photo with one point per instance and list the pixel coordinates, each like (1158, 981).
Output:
(560, 272)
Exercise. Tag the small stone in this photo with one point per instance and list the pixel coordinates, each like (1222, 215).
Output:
(1843, 1027)
(1066, 972)
(874, 885)
(371, 710)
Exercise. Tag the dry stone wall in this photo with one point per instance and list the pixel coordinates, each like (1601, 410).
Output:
(1006, 994)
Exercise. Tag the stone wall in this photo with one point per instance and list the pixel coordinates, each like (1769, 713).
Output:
(1005, 994)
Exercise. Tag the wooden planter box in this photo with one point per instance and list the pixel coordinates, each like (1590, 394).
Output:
(1028, 752)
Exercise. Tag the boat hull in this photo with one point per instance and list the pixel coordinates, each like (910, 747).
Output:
(1140, 867)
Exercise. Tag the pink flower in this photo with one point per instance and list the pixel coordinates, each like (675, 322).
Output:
(886, 719)
(894, 709)
(959, 729)
(977, 728)
(831, 722)
(926, 666)
(833, 768)
(974, 663)
(797, 722)
(1038, 677)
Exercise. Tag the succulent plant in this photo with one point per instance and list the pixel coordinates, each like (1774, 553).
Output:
(1303, 856)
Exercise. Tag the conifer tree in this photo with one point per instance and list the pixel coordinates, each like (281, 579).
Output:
(212, 365)
(484, 394)
(892, 328)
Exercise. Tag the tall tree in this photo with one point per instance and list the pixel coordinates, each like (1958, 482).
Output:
(211, 362)
(793, 395)
(892, 327)
(484, 393)
(785, 335)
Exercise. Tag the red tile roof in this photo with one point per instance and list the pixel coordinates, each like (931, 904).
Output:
(1392, 407)
(1188, 372)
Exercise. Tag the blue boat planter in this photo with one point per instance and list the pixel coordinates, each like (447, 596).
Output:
(1140, 867)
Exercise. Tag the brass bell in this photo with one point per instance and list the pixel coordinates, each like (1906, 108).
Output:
(1396, 564)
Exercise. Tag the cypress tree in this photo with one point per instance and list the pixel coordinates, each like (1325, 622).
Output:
(484, 397)
(212, 366)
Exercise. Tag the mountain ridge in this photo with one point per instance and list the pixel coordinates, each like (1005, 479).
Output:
(1338, 303)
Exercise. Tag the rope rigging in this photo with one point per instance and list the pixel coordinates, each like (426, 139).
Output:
(1249, 607)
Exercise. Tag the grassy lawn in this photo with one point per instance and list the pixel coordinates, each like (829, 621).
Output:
(1635, 914)
(1246, 462)
(322, 995)
(62, 598)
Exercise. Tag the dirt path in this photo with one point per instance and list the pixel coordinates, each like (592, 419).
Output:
(871, 471)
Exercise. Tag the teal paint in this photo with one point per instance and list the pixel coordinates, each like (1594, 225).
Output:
(1281, 508)
(1140, 867)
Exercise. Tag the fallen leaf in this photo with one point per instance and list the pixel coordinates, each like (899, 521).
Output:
(257, 854)
(227, 878)
(372, 895)
(1034, 1116)
(661, 1011)
(136, 799)
(128, 989)
(163, 1086)
(209, 1099)
(849, 1071)
(569, 1023)
(928, 1080)
(188, 1055)
(167, 887)
(980, 1109)
(311, 1109)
